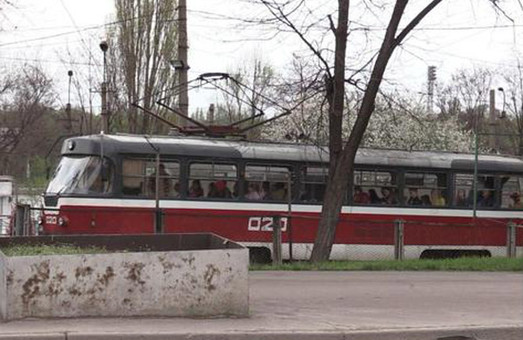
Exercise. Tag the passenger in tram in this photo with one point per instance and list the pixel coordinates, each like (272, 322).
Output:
(388, 196)
(279, 193)
(360, 197)
(374, 198)
(211, 190)
(437, 199)
(425, 200)
(221, 190)
(177, 190)
(253, 192)
(196, 189)
(165, 182)
(485, 199)
(235, 193)
(517, 204)
(265, 191)
(461, 198)
(413, 197)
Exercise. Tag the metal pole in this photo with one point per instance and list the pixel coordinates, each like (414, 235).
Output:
(289, 213)
(276, 241)
(475, 180)
(492, 120)
(105, 114)
(511, 239)
(158, 227)
(68, 105)
(183, 97)
(398, 240)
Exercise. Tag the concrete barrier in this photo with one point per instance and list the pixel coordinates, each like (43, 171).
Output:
(202, 282)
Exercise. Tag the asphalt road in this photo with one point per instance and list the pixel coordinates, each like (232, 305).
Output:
(331, 305)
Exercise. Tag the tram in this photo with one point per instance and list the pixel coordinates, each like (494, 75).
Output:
(133, 184)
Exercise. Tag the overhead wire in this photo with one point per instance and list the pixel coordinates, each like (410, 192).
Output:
(87, 49)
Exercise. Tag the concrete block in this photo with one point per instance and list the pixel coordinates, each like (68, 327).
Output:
(188, 283)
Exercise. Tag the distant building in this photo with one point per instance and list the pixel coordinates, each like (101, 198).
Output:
(6, 199)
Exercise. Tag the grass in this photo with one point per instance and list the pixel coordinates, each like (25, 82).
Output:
(485, 264)
(62, 249)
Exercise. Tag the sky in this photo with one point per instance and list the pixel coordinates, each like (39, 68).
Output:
(458, 34)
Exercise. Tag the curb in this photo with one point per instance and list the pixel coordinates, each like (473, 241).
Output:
(502, 333)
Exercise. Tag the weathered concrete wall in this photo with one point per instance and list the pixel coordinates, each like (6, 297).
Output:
(179, 283)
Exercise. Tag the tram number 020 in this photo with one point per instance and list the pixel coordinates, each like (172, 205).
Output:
(265, 224)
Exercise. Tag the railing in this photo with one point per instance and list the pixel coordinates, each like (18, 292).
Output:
(290, 236)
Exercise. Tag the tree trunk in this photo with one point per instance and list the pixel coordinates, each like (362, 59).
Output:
(337, 185)
(342, 159)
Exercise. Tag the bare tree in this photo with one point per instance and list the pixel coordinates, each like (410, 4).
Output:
(143, 45)
(466, 96)
(342, 153)
(24, 105)
(515, 103)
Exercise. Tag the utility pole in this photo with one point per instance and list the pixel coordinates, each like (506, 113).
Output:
(105, 112)
(492, 120)
(68, 105)
(183, 47)
(210, 115)
(431, 78)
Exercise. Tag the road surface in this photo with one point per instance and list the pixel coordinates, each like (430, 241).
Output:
(330, 305)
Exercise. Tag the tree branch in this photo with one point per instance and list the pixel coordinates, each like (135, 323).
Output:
(415, 21)
(278, 13)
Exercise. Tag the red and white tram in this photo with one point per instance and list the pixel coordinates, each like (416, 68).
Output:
(128, 184)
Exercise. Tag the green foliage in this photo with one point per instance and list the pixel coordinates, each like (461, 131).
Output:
(63, 249)
(460, 264)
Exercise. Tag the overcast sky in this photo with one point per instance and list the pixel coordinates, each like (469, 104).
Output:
(458, 34)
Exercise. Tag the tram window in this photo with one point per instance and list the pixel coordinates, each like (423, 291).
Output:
(213, 181)
(265, 182)
(511, 192)
(464, 191)
(425, 189)
(314, 183)
(82, 175)
(139, 178)
(375, 187)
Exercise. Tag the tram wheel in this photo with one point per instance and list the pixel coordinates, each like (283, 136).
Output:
(453, 253)
(260, 255)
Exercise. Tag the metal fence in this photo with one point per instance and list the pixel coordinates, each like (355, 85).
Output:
(356, 238)
(400, 239)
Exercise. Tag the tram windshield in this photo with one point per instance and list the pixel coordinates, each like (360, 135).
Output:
(81, 175)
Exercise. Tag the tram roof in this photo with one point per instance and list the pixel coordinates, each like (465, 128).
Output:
(221, 148)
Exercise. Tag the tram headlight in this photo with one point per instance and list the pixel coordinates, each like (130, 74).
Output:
(41, 220)
(62, 221)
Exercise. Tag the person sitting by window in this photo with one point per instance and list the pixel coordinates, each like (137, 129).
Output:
(265, 191)
(461, 198)
(177, 190)
(388, 197)
(360, 197)
(516, 197)
(196, 189)
(211, 190)
(437, 199)
(165, 182)
(425, 201)
(374, 198)
(221, 190)
(485, 199)
(413, 197)
(279, 193)
(253, 192)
